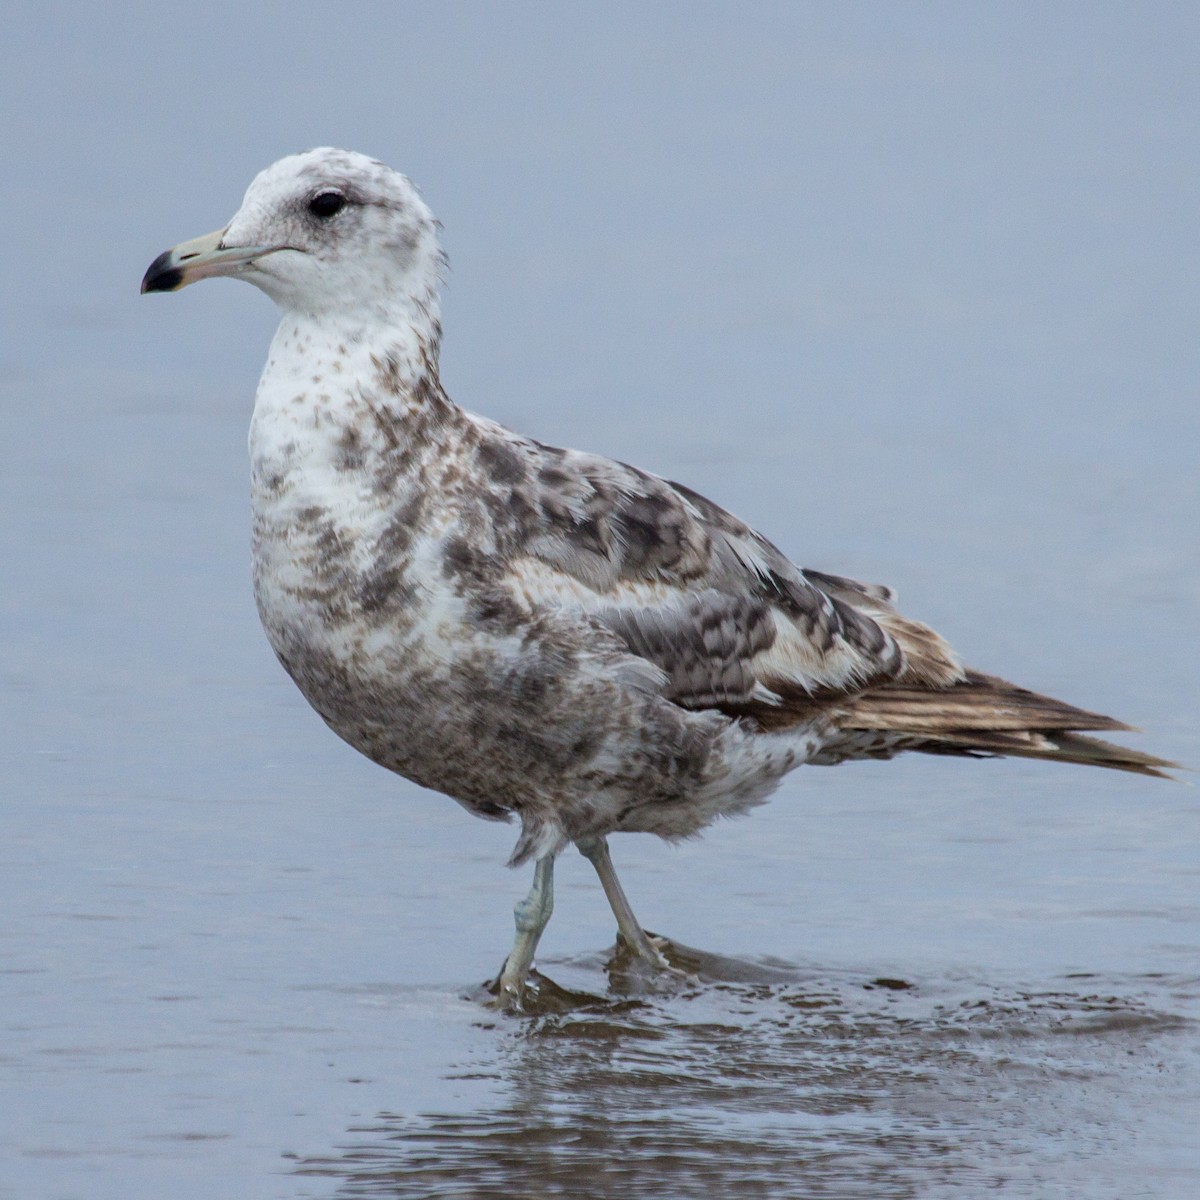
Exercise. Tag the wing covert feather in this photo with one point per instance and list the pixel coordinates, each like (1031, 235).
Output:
(691, 588)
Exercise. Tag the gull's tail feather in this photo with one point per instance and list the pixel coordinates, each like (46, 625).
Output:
(1054, 747)
(980, 716)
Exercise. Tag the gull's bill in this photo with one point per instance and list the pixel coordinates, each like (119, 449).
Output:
(200, 258)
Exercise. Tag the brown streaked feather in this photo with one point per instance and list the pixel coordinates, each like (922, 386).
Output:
(735, 627)
(978, 702)
(928, 657)
(1052, 747)
(675, 575)
(980, 716)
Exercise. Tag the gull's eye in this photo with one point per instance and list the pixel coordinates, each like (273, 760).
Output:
(326, 204)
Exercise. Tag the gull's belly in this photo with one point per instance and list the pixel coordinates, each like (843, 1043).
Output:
(394, 662)
(368, 642)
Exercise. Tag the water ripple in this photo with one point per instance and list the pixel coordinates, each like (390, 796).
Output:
(767, 1080)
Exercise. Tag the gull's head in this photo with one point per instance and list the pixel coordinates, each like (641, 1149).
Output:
(323, 230)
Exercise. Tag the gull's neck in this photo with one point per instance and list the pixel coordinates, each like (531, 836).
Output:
(403, 331)
(372, 369)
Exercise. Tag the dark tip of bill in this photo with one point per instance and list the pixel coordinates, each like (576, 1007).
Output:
(161, 276)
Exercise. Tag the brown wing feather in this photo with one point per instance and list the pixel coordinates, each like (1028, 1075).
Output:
(733, 625)
(983, 715)
(978, 702)
(685, 583)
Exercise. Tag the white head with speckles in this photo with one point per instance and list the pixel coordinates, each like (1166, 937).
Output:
(319, 232)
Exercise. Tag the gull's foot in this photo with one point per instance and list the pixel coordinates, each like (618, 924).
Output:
(660, 944)
(508, 994)
(534, 996)
(517, 985)
(647, 966)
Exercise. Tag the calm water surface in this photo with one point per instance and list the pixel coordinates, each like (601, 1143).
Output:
(912, 290)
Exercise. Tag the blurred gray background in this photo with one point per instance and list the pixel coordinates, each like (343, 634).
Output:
(912, 287)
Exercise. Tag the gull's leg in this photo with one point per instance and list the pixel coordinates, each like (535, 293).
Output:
(595, 850)
(531, 916)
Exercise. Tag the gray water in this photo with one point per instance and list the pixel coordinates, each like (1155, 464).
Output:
(911, 287)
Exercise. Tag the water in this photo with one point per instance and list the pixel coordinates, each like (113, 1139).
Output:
(915, 293)
(816, 1087)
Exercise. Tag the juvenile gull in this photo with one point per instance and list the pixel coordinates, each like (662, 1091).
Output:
(541, 633)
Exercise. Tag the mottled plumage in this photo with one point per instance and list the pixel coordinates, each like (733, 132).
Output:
(537, 632)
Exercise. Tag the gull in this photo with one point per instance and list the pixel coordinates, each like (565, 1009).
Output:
(540, 633)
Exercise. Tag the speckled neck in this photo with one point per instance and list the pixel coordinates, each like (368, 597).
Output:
(314, 357)
(407, 335)
(339, 391)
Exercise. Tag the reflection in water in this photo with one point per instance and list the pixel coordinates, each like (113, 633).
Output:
(759, 1080)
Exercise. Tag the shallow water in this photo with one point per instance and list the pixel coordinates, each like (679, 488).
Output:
(781, 1082)
(914, 295)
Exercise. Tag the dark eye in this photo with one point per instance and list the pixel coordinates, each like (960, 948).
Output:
(326, 204)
